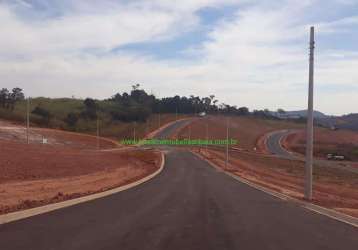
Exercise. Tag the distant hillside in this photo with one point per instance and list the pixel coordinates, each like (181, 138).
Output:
(298, 114)
(349, 121)
(342, 122)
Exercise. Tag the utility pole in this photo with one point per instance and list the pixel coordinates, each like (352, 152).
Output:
(189, 132)
(309, 138)
(134, 135)
(227, 143)
(159, 119)
(97, 132)
(176, 113)
(207, 136)
(28, 120)
(145, 129)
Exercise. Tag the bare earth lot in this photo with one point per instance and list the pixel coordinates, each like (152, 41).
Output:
(343, 142)
(14, 132)
(247, 130)
(67, 167)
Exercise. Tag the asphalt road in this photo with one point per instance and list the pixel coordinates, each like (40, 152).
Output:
(172, 128)
(274, 147)
(190, 205)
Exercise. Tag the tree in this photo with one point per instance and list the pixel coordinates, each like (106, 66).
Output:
(90, 103)
(207, 102)
(135, 86)
(15, 96)
(243, 111)
(71, 119)
(43, 113)
(281, 111)
(4, 97)
(90, 111)
(139, 96)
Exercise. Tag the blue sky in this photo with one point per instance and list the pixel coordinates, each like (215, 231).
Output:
(248, 53)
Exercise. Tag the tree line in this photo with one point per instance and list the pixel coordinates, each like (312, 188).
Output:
(138, 105)
(135, 106)
(8, 99)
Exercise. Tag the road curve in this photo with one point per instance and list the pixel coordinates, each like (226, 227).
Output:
(190, 205)
(165, 133)
(273, 145)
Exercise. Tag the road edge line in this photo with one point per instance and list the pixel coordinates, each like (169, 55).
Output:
(350, 220)
(14, 216)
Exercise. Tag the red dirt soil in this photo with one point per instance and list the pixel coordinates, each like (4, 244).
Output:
(37, 174)
(326, 141)
(247, 130)
(13, 132)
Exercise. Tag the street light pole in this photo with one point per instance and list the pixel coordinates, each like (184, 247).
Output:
(97, 132)
(145, 129)
(189, 132)
(309, 139)
(28, 120)
(134, 135)
(159, 119)
(227, 143)
(207, 136)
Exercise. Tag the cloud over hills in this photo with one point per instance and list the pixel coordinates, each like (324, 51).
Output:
(254, 53)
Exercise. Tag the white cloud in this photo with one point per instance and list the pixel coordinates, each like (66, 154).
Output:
(74, 32)
(257, 58)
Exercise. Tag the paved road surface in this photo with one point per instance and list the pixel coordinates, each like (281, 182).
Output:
(190, 205)
(274, 147)
(172, 128)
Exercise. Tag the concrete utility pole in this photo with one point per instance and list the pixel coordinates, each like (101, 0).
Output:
(309, 139)
(134, 135)
(28, 120)
(227, 143)
(97, 132)
(159, 119)
(189, 132)
(146, 129)
(207, 136)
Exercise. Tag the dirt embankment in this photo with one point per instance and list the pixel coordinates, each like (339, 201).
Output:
(53, 137)
(68, 166)
(333, 188)
(342, 142)
(248, 131)
(41, 175)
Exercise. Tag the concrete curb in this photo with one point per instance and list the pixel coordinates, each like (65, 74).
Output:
(6, 218)
(307, 205)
